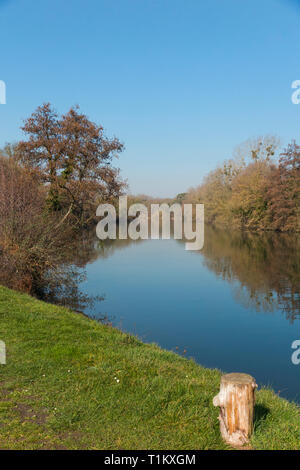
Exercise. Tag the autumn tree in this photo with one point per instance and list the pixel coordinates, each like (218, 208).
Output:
(249, 201)
(74, 158)
(284, 191)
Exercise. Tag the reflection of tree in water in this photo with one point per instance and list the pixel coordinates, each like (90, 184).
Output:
(106, 248)
(89, 248)
(264, 268)
(64, 288)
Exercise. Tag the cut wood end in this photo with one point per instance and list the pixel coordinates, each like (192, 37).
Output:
(238, 378)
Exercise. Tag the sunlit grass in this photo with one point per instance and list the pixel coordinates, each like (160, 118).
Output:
(73, 383)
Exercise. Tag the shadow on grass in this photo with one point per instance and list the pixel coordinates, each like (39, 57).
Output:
(260, 414)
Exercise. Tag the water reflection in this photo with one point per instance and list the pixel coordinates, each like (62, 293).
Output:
(263, 269)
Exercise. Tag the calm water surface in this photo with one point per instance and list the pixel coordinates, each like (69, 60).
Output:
(235, 305)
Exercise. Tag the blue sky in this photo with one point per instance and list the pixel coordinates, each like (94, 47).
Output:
(180, 82)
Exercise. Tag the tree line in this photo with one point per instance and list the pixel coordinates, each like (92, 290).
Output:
(257, 189)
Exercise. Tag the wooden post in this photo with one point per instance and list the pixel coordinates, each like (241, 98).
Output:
(236, 400)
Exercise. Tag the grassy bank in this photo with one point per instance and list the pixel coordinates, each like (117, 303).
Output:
(71, 383)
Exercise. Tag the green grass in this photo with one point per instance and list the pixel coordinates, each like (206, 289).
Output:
(72, 383)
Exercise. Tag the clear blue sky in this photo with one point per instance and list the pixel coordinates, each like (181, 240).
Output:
(180, 82)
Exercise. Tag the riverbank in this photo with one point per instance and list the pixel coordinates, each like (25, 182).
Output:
(72, 383)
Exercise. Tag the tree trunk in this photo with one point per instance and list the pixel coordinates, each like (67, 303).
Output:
(236, 400)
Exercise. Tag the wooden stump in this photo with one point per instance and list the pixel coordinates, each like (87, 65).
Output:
(236, 400)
